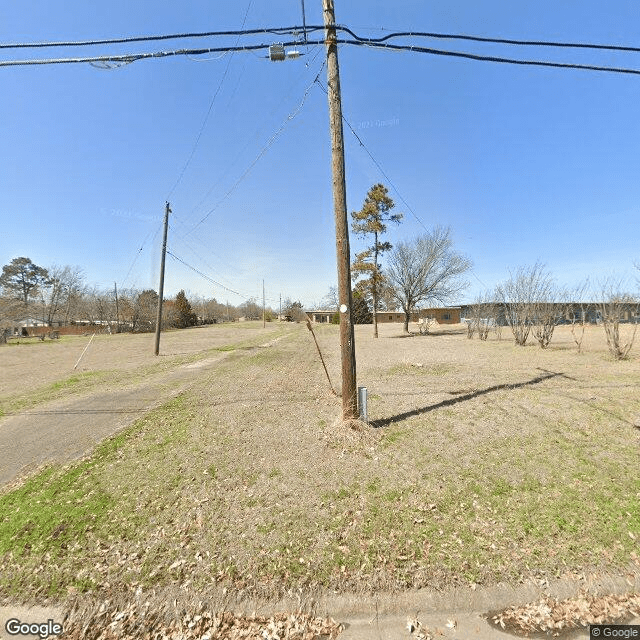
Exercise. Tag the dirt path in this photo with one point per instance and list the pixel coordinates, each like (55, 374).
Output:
(62, 430)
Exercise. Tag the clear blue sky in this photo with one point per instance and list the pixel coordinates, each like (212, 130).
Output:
(523, 163)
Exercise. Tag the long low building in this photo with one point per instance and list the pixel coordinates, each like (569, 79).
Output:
(442, 315)
(589, 312)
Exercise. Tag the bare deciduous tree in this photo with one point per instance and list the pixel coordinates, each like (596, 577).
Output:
(576, 311)
(518, 296)
(331, 300)
(616, 306)
(63, 284)
(471, 327)
(427, 268)
(425, 323)
(547, 312)
(484, 312)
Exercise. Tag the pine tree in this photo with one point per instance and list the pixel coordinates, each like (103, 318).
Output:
(370, 221)
(184, 314)
(22, 279)
(361, 312)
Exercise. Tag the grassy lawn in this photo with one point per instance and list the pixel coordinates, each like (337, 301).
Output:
(77, 382)
(490, 462)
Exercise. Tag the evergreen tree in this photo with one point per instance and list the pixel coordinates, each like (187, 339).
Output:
(21, 279)
(361, 313)
(370, 221)
(184, 314)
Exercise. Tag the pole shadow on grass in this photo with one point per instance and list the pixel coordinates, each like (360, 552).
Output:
(385, 422)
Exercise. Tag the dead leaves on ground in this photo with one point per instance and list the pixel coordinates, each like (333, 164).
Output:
(418, 631)
(552, 615)
(135, 622)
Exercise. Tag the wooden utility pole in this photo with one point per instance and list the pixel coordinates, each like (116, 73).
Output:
(115, 287)
(264, 322)
(167, 211)
(347, 341)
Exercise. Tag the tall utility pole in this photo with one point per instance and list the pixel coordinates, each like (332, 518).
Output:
(264, 322)
(115, 287)
(347, 341)
(167, 211)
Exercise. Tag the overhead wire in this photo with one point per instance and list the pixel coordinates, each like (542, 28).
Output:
(156, 38)
(139, 252)
(270, 142)
(213, 281)
(196, 254)
(215, 185)
(489, 40)
(305, 29)
(386, 176)
(382, 171)
(202, 274)
(129, 58)
(496, 59)
(206, 118)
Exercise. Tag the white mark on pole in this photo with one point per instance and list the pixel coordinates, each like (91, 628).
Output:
(343, 308)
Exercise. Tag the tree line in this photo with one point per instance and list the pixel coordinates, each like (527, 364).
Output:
(60, 296)
(532, 304)
(427, 270)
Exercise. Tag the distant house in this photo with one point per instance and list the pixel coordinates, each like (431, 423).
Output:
(321, 315)
(30, 322)
(20, 326)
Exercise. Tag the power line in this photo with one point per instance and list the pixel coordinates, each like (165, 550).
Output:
(497, 59)
(198, 256)
(129, 58)
(483, 39)
(271, 140)
(382, 171)
(206, 118)
(255, 136)
(212, 281)
(203, 275)
(140, 251)
(305, 29)
(156, 38)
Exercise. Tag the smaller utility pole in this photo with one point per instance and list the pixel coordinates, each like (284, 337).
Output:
(264, 321)
(228, 317)
(115, 286)
(167, 211)
(280, 316)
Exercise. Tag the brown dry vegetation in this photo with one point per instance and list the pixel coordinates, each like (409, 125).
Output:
(489, 462)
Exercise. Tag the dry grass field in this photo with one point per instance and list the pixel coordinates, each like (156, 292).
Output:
(483, 462)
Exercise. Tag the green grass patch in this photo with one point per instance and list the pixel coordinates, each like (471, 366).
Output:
(55, 518)
(221, 488)
(76, 383)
